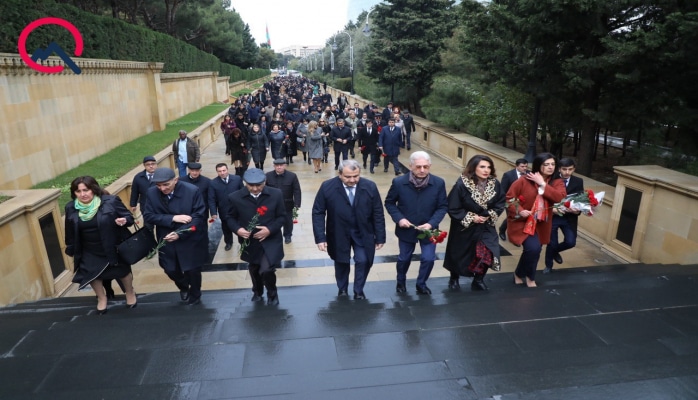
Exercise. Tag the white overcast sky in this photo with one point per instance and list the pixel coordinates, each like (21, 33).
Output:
(290, 21)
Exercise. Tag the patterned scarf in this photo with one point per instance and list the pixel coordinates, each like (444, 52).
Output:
(539, 212)
(417, 182)
(87, 211)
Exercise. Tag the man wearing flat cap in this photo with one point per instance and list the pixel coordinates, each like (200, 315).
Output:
(177, 211)
(264, 249)
(141, 183)
(290, 187)
(202, 182)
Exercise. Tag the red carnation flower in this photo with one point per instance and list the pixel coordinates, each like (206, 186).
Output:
(210, 221)
(193, 228)
(385, 155)
(295, 221)
(521, 199)
(567, 204)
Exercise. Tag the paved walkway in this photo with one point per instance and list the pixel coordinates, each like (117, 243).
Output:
(305, 265)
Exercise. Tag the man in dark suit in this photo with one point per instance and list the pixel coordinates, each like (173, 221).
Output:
(409, 127)
(347, 214)
(265, 249)
(566, 221)
(177, 211)
(368, 142)
(290, 187)
(202, 182)
(141, 183)
(387, 112)
(358, 111)
(221, 186)
(340, 135)
(389, 142)
(508, 178)
(416, 201)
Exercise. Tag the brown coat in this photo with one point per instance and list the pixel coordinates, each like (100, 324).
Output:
(554, 192)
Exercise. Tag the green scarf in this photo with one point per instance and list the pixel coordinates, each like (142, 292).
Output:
(87, 211)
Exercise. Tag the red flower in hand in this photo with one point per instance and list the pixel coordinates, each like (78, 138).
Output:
(385, 155)
(295, 221)
(210, 221)
(521, 199)
(567, 204)
(262, 210)
(193, 228)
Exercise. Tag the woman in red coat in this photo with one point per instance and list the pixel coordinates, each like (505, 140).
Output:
(530, 217)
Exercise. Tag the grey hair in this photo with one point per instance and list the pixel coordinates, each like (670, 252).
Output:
(351, 165)
(182, 131)
(419, 155)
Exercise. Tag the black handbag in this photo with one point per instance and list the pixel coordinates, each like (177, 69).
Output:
(136, 246)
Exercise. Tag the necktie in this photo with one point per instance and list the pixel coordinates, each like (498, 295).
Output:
(169, 196)
(351, 195)
(150, 176)
(567, 181)
(225, 180)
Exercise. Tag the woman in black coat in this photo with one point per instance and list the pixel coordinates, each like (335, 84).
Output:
(258, 146)
(474, 204)
(95, 224)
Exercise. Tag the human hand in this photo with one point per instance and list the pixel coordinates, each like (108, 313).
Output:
(262, 233)
(171, 237)
(525, 213)
(120, 221)
(182, 219)
(424, 227)
(404, 223)
(243, 233)
(322, 246)
(379, 246)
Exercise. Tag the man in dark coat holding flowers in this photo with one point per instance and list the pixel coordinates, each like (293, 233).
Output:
(256, 215)
(177, 211)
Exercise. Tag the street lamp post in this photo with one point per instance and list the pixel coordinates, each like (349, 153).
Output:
(351, 58)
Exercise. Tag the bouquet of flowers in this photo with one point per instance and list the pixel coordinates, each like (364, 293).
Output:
(294, 215)
(435, 235)
(516, 202)
(584, 202)
(163, 242)
(251, 226)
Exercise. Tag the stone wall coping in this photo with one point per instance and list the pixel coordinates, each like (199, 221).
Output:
(25, 201)
(184, 76)
(13, 63)
(674, 181)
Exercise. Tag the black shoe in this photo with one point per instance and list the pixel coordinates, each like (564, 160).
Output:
(372, 172)
(400, 288)
(548, 270)
(335, 168)
(342, 292)
(102, 312)
(184, 295)
(385, 170)
(257, 297)
(503, 236)
(557, 258)
(194, 301)
(397, 174)
(453, 284)
(109, 292)
(359, 296)
(423, 290)
(228, 246)
(273, 301)
(364, 165)
(287, 240)
(479, 284)
(409, 148)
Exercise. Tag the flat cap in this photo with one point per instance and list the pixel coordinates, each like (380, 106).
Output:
(194, 165)
(279, 161)
(163, 175)
(254, 176)
(149, 158)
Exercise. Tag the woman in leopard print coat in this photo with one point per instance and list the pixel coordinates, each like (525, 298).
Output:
(474, 204)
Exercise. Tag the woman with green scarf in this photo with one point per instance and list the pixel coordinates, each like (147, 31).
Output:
(95, 223)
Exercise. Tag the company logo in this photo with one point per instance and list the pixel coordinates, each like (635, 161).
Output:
(43, 54)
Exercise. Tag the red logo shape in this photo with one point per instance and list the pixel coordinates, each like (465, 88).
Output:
(22, 44)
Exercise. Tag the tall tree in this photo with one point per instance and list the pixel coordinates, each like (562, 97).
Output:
(406, 38)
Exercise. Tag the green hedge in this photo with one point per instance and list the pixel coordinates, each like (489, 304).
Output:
(108, 38)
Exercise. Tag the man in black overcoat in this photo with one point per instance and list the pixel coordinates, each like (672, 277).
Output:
(368, 142)
(202, 182)
(348, 214)
(265, 249)
(221, 186)
(340, 135)
(290, 187)
(173, 207)
(141, 183)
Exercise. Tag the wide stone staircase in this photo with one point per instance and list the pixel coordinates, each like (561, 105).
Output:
(611, 332)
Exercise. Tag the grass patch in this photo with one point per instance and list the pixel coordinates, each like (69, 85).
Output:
(110, 166)
(4, 198)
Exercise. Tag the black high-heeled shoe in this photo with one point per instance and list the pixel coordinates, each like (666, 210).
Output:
(102, 312)
(134, 305)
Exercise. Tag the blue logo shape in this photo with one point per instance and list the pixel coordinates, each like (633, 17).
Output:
(53, 47)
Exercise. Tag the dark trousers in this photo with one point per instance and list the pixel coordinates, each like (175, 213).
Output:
(361, 269)
(373, 158)
(394, 161)
(503, 227)
(426, 260)
(407, 140)
(189, 280)
(529, 258)
(227, 233)
(555, 247)
(263, 275)
(344, 152)
(288, 224)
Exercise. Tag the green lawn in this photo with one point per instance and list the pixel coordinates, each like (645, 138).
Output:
(110, 166)
(4, 198)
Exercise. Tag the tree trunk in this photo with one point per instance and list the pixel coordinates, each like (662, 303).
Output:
(605, 143)
(533, 132)
(586, 143)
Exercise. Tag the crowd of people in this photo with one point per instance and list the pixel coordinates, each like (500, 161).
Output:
(290, 115)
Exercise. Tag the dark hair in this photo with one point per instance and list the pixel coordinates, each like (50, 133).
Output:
(221, 165)
(566, 162)
(540, 159)
(469, 170)
(521, 161)
(89, 182)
